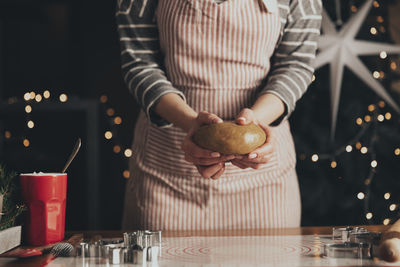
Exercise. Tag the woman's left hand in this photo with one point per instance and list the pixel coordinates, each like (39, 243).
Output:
(262, 154)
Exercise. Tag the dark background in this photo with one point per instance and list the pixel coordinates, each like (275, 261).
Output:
(72, 47)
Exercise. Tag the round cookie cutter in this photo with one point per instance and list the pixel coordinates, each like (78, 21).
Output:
(348, 250)
(371, 238)
(119, 255)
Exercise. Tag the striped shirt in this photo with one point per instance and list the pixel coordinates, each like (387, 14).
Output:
(142, 61)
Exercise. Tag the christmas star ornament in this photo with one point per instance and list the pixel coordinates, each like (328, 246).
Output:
(340, 49)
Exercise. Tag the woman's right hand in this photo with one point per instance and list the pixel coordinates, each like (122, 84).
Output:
(210, 164)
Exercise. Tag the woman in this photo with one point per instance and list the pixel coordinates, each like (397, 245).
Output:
(195, 62)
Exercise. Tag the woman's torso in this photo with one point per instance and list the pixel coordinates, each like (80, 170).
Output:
(218, 55)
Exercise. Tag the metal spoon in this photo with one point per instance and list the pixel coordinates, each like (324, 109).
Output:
(73, 154)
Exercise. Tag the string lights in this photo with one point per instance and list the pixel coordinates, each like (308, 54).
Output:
(7, 134)
(46, 94)
(110, 112)
(63, 98)
(128, 153)
(126, 174)
(115, 120)
(31, 98)
(31, 124)
(26, 142)
(370, 122)
(365, 141)
(38, 98)
(108, 135)
(116, 149)
(28, 109)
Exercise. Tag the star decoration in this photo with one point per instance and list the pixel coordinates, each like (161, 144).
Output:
(340, 49)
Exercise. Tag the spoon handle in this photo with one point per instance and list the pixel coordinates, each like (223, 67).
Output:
(73, 154)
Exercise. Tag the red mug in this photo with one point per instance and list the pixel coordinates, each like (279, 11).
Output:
(45, 196)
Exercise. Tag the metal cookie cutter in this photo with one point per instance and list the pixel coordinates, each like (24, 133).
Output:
(348, 250)
(156, 236)
(82, 250)
(145, 244)
(139, 247)
(105, 249)
(115, 255)
(152, 250)
(95, 250)
(155, 242)
(343, 233)
(85, 250)
(119, 255)
(138, 256)
(133, 239)
(137, 238)
(370, 238)
(117, 242)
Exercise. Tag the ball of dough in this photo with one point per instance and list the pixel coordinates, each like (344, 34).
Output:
(230, 138)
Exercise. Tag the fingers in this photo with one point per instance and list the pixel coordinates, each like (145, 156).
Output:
(261, 154)
(208, 161)
(211, 171)
(239, 164)
(219, 173)
(208, 118)
(245, 164)
(194, 151)
(254, 160)
(257, 160)
(255, 166)
(246, 116)
(203, 118)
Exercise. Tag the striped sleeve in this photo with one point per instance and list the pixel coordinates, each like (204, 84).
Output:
(141, 57)
(291, 70)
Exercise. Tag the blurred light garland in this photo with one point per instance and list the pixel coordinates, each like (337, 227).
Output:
(371, 122)
(32, 98)
(110, 134)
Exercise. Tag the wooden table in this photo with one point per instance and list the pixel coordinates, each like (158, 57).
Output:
(44, 260)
